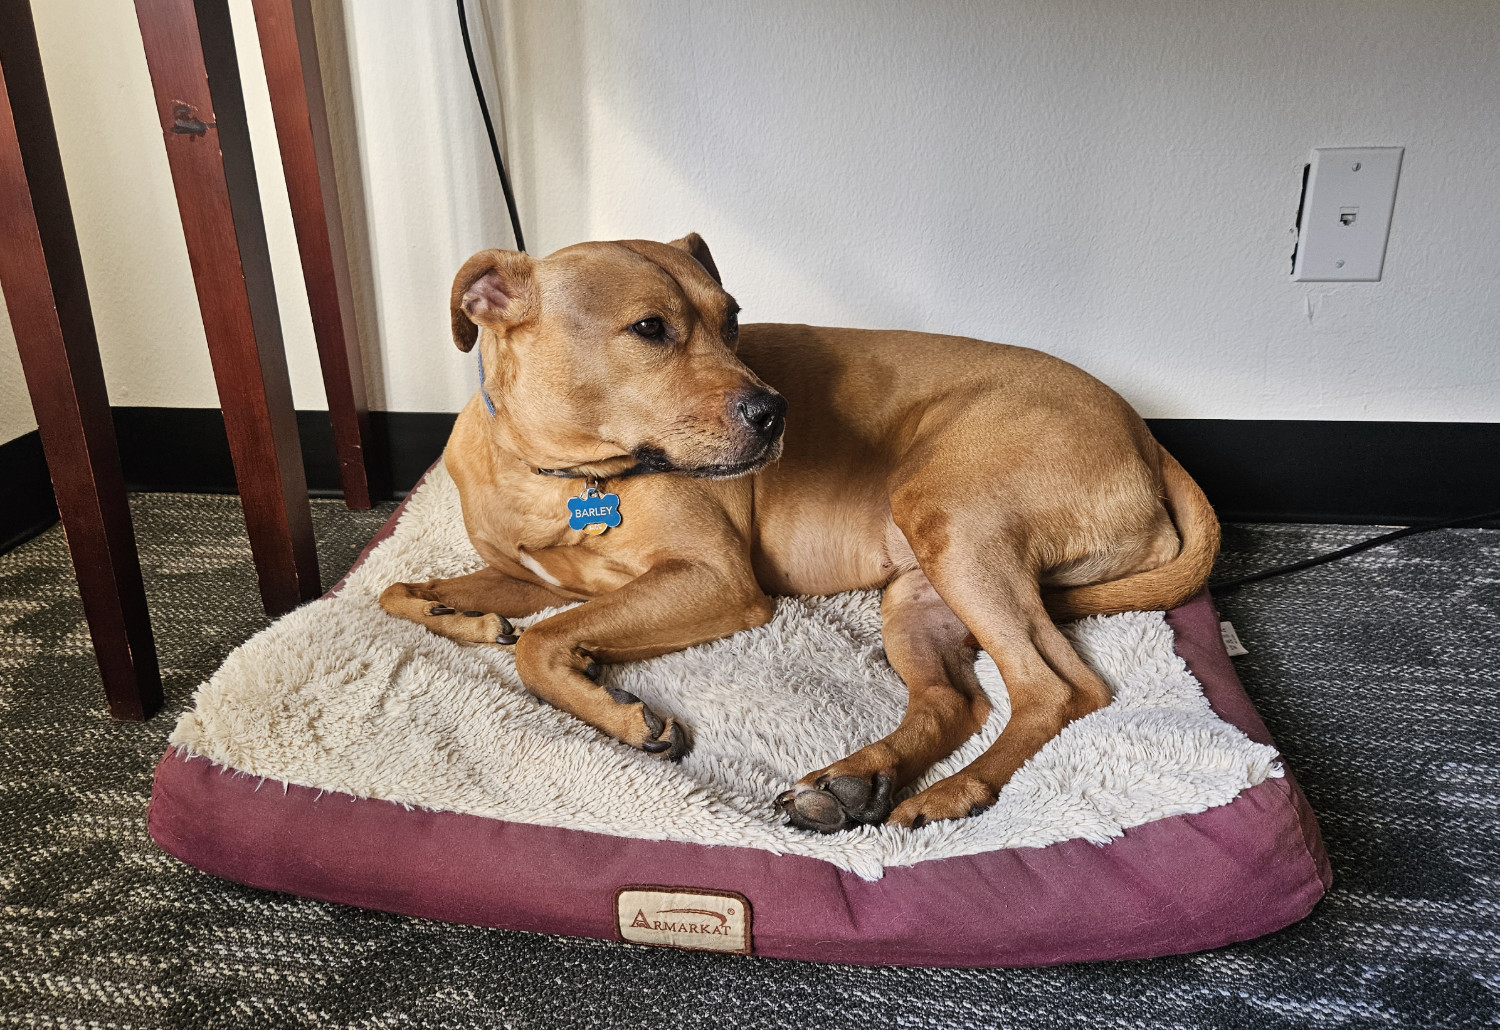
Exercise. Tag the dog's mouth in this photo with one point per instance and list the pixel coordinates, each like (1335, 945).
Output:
(653, 459)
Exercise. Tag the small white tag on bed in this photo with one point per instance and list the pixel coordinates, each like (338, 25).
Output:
(681, 917)
(1231, 640)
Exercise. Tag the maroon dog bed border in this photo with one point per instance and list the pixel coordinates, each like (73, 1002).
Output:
(1176, 885)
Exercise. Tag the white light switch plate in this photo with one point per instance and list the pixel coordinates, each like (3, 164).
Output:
(1346, 214)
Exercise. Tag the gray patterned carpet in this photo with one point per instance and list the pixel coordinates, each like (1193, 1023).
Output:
(1377, 676)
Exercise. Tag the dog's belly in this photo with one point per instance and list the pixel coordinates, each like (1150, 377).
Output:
(825, 542)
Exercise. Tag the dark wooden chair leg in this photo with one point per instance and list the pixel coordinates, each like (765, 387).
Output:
(190, 50)
(289, 49)
(42, 275)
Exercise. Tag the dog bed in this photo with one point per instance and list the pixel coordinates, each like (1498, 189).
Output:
(345, 755)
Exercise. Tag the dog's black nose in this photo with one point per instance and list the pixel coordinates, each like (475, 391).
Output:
(763, 412)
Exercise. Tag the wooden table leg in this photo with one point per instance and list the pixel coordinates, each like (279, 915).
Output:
(190, 50)
(289, 48)
(42, 275)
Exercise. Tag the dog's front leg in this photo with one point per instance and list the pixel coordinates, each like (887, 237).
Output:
(471, 609)
(674, 605)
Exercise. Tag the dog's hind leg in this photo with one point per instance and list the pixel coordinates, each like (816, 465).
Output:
(934, 654)
(979, 573)
(471, 609)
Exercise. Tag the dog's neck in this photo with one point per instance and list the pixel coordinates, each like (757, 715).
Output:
(617, 467)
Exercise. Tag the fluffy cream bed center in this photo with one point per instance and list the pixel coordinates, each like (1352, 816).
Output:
(341, 697)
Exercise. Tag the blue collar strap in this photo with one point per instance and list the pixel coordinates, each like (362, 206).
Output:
(489, 405)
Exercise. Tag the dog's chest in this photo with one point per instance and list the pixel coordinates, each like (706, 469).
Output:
(578, 569)
(531, 537)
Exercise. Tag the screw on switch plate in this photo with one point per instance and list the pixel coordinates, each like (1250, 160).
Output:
(1347, 199)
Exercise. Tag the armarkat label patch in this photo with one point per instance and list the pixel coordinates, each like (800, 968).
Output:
(682, 917)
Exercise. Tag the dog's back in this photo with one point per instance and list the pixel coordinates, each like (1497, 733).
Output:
(1020, 433)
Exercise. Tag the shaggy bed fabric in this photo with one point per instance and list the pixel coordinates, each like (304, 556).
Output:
(340, 697)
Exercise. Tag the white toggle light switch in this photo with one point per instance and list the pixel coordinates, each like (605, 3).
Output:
(1346, 214)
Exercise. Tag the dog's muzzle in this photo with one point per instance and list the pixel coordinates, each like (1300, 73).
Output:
(761, 417)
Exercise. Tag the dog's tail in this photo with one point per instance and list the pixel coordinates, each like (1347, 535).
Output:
(1165, 586)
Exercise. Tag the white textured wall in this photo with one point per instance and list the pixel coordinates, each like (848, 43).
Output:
(1112, 182)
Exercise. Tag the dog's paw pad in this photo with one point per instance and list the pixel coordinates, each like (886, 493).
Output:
(837, 803)
(816, 810)
(853, 792)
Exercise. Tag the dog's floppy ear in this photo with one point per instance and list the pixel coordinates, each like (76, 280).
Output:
(493, 288)
(694, 245)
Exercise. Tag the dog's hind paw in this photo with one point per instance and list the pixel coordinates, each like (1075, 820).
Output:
(837, 803)
(960, 796)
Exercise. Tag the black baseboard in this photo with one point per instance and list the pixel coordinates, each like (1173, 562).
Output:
(28, 507)
(187, 450)
(1384, 473)
(1389, 473)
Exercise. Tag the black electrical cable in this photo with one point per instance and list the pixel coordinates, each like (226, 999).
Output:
(1344, 552)
(489, 127)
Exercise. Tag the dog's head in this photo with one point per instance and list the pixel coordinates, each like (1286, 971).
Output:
(610, 355)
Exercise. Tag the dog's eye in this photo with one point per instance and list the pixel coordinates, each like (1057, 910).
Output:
(732, 325)
(651, 328)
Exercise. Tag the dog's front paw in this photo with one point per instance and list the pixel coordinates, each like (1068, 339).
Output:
(469, 627)
(665, 738)
(837, 803)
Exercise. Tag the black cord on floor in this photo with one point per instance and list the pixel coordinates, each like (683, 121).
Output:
(489, 127)
(1344, 552)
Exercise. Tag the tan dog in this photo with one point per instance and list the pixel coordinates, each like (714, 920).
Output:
(986, 489)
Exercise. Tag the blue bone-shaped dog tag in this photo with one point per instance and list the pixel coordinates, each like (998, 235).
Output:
(593, 510)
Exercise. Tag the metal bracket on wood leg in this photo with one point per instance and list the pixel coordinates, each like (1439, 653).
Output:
(190, 51)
